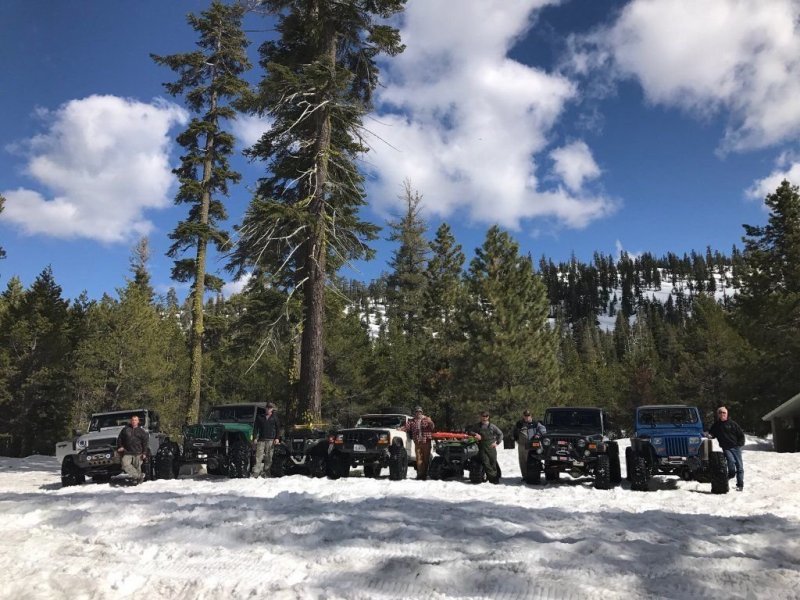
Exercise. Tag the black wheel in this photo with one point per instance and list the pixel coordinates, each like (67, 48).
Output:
(435, 469)
(316, 466)
(628, 464)
(281, 462)
(101, 478)
(718, 465)
(70, 473)
(331, 466)
(167, 461)
(615, 470)
(398, 460)
(533, 475)
(476, 472)
(217, 469)
(338, 466)
(640, 475)
(602, 473)
(372, 471)
(551, 473)
(239, 460)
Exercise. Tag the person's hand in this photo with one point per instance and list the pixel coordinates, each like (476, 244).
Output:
(478, 436)
(120, 450)
(494, 444)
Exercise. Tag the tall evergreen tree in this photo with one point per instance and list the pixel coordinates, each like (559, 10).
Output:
(2, 203)
(512, 360)
(320, 77)
(210, 79)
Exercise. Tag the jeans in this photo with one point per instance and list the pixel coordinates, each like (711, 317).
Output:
(263, 462)
(735, 464)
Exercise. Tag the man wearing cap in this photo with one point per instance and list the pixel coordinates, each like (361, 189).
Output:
(265, 432)
(523, 432)
(421, 430)
(488, 436)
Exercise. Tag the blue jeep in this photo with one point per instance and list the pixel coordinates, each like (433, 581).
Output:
(669, 440)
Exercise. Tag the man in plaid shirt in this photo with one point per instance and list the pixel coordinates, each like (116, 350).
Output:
(420, 428)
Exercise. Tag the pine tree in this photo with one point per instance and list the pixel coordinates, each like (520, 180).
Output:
(511, 362)
(303, 222)
(443, 299)
(210, 79)
(2, 203)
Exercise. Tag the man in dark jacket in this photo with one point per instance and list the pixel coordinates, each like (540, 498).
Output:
(488, 436)
(266, 435)
(523, 431)
(132, 445)
(731, 439)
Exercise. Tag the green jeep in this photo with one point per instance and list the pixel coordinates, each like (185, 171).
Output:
(223, 441)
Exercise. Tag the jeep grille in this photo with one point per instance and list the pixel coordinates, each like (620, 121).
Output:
(677, 445)
(367, 438)
(211, 433)
(101, 443)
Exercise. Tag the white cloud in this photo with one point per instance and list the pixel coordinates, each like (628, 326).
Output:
(787, 167)
(103, 161)
(248, 129)
(465, 123)
(236, 287)
(575, 164)
(738, 56)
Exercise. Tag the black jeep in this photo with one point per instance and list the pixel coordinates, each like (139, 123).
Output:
(304, 451)
(579, 441)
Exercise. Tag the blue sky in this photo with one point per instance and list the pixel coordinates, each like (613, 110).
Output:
(580, 126)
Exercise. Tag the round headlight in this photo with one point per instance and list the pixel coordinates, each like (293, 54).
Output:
(81, 443)
(546, 441)
(108, 456)
(657, 441)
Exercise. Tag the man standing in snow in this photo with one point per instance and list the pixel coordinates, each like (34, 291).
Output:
(266, 435)
(523, 431)
(731, 438)
(488, 436)
(421, 430)
(132, 445)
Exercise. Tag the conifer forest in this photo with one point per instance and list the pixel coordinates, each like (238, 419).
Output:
(454, 329)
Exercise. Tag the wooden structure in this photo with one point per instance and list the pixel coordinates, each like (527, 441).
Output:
(785, 425)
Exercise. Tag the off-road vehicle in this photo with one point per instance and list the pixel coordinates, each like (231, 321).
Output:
(669, 440)
(304, 450)
(223, 441)
(94, 453)
(579, 441)
(455, 453)
(368, 445)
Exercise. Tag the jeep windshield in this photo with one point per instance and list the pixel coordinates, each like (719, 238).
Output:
(387, 421)
(675, 416)
(117, 419)
(232, 414)
(570, 419)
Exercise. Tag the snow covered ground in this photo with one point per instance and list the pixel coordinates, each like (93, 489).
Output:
(296, 537)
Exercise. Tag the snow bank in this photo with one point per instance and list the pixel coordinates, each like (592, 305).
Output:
(297, 537)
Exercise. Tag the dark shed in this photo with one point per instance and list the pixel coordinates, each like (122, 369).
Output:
(785, 425)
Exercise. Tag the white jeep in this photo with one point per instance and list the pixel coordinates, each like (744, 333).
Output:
(94, 453)
(375, 442)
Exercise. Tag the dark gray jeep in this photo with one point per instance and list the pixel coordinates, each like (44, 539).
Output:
(579, 441)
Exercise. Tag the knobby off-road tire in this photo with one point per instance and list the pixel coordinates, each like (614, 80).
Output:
(167, 461)
(316, 466)
(338, 466)
(398, 460)
(373, 471)
(239, 461)
(602, 473)
(70, 473)
(615, 469)
(640, 476)
(718, 465)
(551, 474)
(534, 470)
(476, 472)
(435, 468)
(628, 464)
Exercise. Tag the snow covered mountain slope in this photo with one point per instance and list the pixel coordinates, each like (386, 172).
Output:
(297, 537)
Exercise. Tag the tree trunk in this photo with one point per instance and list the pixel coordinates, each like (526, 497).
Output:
(196, 365)
(312, 350)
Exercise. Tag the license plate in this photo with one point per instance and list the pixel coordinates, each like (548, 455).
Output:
(359, 448)
(563, 458)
